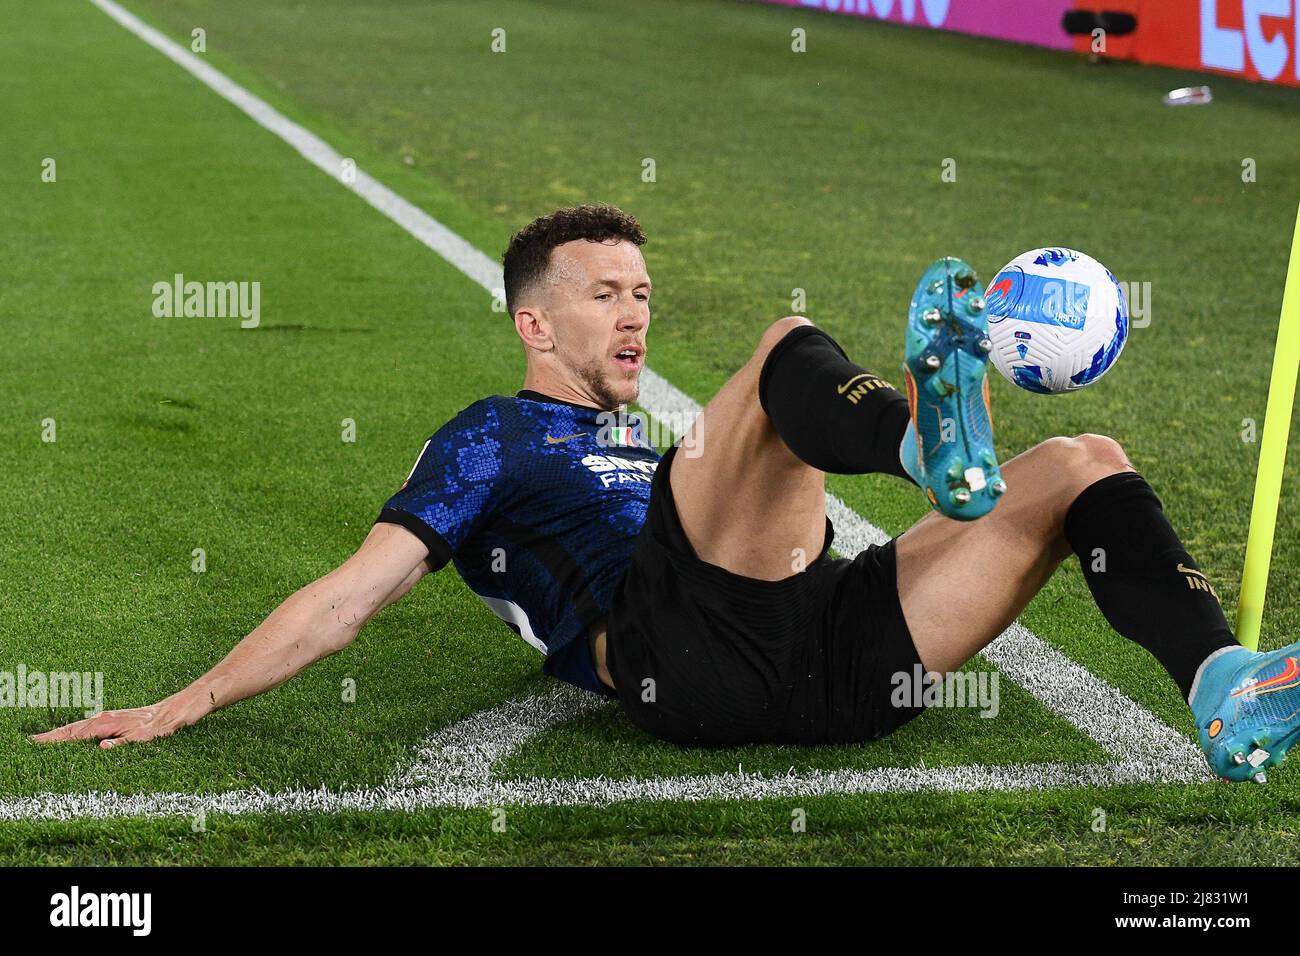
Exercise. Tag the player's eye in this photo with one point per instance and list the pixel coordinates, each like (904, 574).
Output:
(605, 295)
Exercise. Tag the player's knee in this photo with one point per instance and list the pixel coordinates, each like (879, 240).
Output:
(1075, 463)
(775, 333)
(1102, 453)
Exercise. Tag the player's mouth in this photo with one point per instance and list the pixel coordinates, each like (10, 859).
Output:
(630, 358)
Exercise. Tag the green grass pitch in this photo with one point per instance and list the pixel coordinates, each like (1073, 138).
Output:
(774, 171)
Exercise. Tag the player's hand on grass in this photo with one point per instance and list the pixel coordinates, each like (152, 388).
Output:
(113, 727)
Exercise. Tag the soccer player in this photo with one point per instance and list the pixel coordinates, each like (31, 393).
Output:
(698, 588)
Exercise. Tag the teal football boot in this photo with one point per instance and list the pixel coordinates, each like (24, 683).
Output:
(948, 446)
(1247, 710)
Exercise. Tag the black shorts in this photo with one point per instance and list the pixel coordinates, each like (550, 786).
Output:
(704, 657)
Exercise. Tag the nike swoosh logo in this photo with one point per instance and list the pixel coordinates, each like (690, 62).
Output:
(556, 441)
(1288, 678)
(1189, 570)
(845, 387)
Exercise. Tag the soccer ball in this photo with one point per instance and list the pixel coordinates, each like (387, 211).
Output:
(1057, 319)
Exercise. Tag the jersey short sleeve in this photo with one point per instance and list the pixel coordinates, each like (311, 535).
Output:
(455, 485)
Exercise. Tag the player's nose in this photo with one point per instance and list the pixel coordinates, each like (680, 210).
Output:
(633, 320)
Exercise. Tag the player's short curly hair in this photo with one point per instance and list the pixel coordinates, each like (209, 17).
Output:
(529, 254)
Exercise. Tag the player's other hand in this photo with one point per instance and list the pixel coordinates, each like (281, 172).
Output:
(113, 727)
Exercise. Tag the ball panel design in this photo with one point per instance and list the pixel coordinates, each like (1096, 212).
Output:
(1058, 320)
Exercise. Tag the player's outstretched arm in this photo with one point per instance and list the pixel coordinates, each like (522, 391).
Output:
(316, 621)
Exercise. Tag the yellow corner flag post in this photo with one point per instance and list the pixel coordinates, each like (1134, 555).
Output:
(1272, 456)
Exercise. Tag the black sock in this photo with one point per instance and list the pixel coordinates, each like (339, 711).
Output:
(834, 415)
(1143, 579)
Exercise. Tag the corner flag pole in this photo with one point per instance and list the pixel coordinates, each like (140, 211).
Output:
(1272, 456)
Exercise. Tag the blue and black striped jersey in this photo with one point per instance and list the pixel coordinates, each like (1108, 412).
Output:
(537, 502)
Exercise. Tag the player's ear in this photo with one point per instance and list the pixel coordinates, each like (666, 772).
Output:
(534, 328)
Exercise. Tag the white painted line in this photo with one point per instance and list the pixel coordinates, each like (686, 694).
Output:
(454, 767)
(1120, 725)
(319, 153)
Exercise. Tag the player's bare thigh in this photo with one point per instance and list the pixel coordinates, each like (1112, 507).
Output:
(745, 501)
(962, 583)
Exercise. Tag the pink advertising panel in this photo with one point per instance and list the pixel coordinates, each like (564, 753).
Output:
(1036, 22)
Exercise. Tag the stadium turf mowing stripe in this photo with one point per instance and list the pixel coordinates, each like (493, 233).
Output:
(1126, 729)
(317, 152)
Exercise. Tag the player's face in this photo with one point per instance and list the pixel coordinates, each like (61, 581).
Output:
(599, 306)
